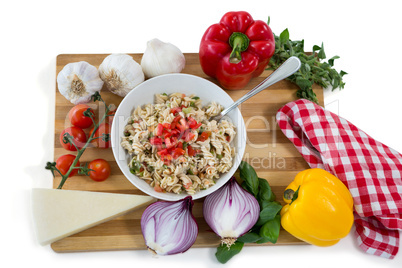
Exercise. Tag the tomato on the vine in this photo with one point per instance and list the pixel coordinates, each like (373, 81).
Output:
(100, 170)
(78, 135)
(64, 162)
(103, 129)
(77, 117)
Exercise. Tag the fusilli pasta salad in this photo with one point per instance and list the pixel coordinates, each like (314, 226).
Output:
(174, 145)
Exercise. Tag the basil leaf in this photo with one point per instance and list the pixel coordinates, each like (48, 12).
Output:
(249, 238)
(265, 192)
(246, 187)
(262, 240)
(225, 253)
(268, 213)
(249, 176)
(270, 230)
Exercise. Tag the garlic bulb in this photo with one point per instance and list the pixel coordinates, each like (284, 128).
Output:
(121, 73)
(162, 58)
(78, 81)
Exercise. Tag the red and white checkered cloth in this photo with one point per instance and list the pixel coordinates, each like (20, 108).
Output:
(371, 170)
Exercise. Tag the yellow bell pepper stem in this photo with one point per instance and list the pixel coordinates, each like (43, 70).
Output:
(319, 208)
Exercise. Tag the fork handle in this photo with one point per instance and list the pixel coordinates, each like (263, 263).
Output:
(289, 67)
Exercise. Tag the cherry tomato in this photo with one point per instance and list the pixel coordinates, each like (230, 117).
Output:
(101, 170)
(64, 162)
(77, 117)
(103, 128)
(78, 135)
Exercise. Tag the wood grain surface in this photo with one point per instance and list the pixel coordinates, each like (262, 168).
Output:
(272, 155)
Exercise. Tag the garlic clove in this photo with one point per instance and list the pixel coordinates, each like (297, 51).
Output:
(162, 58)
(121, 73)
(78, 81)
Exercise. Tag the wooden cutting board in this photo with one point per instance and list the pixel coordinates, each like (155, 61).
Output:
(272, 155)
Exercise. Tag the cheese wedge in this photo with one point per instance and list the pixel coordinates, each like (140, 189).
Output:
(61, 213)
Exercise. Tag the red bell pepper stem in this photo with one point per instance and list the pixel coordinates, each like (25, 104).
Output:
(239, 42)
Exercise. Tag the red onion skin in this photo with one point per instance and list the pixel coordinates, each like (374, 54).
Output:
(230, 197)
(169, 227)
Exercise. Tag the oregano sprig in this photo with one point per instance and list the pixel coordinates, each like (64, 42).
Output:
(313, 67)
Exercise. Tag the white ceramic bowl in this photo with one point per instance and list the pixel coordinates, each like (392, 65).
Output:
(171, 83)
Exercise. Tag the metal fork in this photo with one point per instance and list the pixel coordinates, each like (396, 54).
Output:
(289, 67)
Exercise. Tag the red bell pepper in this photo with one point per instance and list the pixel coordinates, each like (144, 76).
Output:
(236, 49)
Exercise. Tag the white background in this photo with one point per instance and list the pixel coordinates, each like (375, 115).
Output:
(366, 35)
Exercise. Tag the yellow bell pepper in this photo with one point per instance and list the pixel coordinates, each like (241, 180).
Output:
(321, 212)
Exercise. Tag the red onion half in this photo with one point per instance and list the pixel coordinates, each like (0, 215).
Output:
(169, 227)
(231, 211)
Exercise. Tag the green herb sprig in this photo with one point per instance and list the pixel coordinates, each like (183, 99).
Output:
(268, 225)
(67, 138)
(313, 67)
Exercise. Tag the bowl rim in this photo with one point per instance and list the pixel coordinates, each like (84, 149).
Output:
(133, 179)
